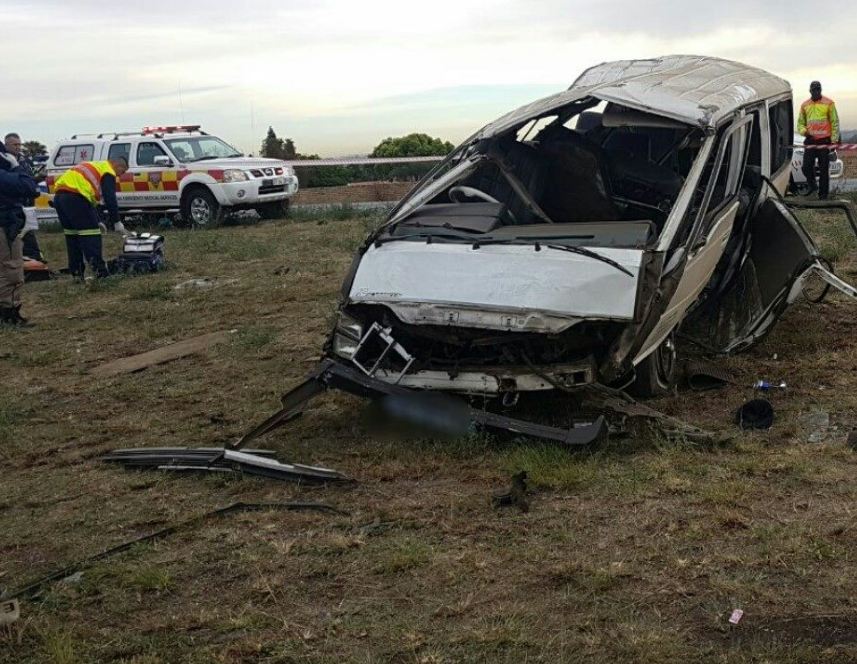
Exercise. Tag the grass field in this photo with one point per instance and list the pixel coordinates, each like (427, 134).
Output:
(634, 551)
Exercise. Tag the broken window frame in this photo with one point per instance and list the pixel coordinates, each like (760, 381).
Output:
(705, 217)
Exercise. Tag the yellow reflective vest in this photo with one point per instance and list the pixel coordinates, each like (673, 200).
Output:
(819, 119)
(85, 179)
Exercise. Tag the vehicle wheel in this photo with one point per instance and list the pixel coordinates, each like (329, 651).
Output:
(275, 210)
(656, 375)
(200, 208)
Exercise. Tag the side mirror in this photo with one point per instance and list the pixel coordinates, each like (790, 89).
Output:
(162, 160)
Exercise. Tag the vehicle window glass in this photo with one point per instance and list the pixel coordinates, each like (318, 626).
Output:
(65, 156)
(83, 153)
(754, 156)
(146, 153)
(718, 186)
(182, 150)
(201, 147)
(120, 150)
(69, 155)
(780, 116)
(724, 175)
(706, 177)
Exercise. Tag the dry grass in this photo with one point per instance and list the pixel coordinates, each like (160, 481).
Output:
(636, 551)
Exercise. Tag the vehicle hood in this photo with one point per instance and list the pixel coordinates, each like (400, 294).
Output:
(507, 287)
(244, 163)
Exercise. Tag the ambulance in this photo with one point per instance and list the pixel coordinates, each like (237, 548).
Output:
(182, 168)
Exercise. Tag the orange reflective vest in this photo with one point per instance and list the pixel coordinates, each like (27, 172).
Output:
(85, 179)
(819, 119)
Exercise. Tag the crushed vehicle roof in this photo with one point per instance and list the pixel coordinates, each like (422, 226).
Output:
(695, 89)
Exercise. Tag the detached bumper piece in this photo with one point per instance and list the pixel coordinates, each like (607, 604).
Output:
(330, 374)
(219, 460)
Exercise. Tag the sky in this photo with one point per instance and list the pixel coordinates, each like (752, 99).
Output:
(338, 76)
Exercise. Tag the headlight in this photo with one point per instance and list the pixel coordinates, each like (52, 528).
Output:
(234, 175)
(349, 327)
(344, 346)
(347, 336)
(288, 170)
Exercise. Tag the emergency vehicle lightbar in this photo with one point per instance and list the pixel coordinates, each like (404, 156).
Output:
(171, 129)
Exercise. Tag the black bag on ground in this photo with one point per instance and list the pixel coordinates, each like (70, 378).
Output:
(141, 253)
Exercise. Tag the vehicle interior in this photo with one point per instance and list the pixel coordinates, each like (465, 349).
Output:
(593, 173)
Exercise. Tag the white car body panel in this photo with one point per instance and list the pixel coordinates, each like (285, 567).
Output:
(700, 266)
(514, 287)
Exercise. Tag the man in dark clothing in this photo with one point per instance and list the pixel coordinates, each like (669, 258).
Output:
(14, 146)
(818, 122)
(78, 193)
(16, 187)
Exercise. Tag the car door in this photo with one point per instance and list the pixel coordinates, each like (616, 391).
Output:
(714, 215)
(781, 257)
(149, 177)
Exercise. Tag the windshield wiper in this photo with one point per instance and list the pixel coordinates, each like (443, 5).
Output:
(591, 254)
(480, 242)
(209, 156)
(580, 251)
(425, 235)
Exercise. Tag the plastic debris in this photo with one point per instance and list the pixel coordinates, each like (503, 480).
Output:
(816, 424)
(204, 282)
(73, 579)
(767, 386)
(736, 616)
(9, 612)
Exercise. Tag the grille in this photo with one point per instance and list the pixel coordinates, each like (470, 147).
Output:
(272, 189)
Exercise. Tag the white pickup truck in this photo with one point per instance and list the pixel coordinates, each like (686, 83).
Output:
(182, 168)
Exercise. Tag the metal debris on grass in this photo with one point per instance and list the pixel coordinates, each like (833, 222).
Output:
(220, 460)
(205, 282)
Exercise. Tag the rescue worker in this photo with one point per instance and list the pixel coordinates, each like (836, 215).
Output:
(78, 193)
(819, 123)
(16, 187)
(14, 146)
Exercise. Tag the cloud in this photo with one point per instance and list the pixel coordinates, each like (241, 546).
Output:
(342, 75)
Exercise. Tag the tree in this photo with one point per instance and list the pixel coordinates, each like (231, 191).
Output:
(289, 151)
(34, 149)
(272, 147)
(412, 145)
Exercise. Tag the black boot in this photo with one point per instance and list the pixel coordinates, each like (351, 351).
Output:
(20, 320)
(12, 316)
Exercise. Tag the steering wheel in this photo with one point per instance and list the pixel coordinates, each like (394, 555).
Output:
(459, 193)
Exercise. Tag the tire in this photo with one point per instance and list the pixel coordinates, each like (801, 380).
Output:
(656, 375)
(200, 208)
(275, 210)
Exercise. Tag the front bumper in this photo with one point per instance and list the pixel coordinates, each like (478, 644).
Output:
(509, 380)
(331, 374)
(258, 191)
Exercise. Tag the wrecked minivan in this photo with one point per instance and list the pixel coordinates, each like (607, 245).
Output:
(564, 244)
